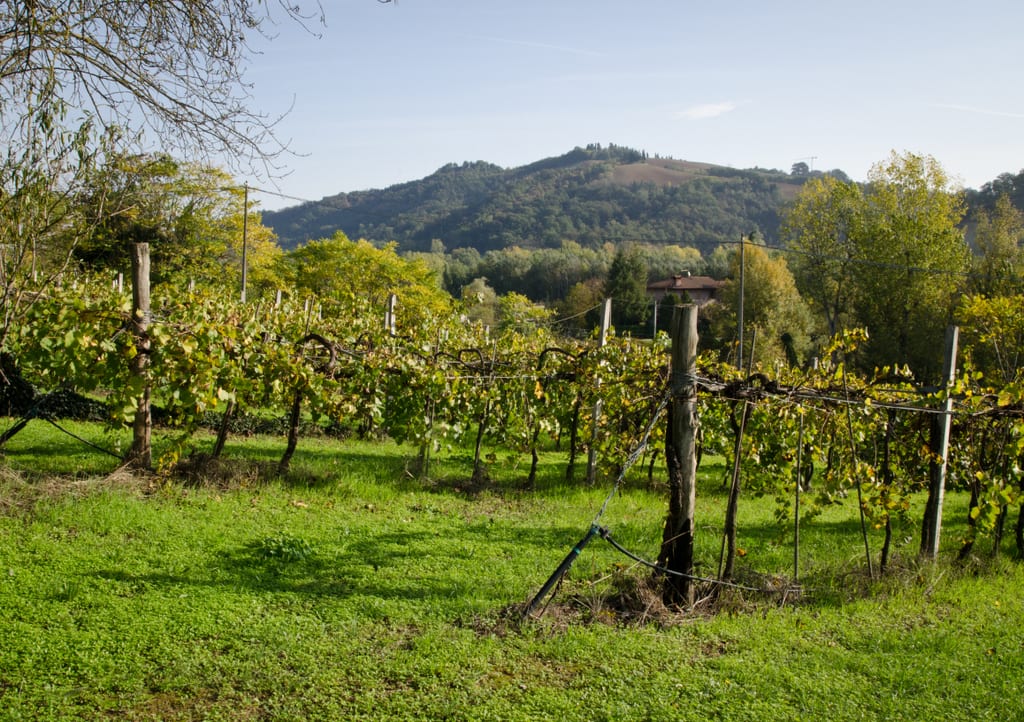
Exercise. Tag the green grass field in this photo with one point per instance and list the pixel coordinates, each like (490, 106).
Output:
(350, 590)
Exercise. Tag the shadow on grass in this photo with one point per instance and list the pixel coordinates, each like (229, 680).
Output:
(411, 566)
(455, 566)
(59, 454)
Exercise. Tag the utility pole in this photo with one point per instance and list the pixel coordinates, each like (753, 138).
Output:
(811, 158)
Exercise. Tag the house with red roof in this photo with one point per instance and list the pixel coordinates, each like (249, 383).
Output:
(700, 289)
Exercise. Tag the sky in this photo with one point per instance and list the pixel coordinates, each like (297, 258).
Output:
(387, 93)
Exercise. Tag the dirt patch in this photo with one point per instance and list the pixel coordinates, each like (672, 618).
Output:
(224, 474)
(632, 597)
(19, 493)
(174, 705)
(662, 173)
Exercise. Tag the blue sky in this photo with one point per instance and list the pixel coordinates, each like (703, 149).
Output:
(390, 92)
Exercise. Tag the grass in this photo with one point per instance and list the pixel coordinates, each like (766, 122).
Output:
(350, 590)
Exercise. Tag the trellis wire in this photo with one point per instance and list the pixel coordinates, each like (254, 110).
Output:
(634, 456)
(595, 529)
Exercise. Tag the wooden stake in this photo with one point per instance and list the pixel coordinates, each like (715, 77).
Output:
(681, 458)
(389, 315)
(932, 527)
(606, 320)
(245, 241)
(727, 555)
(796, 503)
(141, 453)
(855, 463)
(739, 310)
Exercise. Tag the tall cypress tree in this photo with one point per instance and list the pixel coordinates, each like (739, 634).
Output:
(627, 287)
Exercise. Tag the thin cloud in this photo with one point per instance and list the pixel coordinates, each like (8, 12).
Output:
(543, 46)
(708, 110)
(979, 111)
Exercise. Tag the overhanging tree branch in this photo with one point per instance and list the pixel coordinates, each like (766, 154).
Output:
(171, 69)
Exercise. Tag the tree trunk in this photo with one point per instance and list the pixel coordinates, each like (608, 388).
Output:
(293, 434)
(968, 546)
(222, 432)
(928, 542)
(887, 479)
(654, 459)
(423, 463)
(886, 546)
(479, 470)
(1019, 532)
(574, 437)
(997, 533)
(531, 480)
(606, 320)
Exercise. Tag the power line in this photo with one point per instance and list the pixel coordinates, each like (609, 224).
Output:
(281, 195)
(566, 319)
(866, 262)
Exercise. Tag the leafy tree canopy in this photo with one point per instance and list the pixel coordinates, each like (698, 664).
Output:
(193, 217)
(357, 273)
(890, 256)
(82, 82)
(772, 308)
(999, 263)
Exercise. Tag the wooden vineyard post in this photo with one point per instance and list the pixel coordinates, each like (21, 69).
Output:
(681, 457)
(796, 501)
(932, 526)
(739, 318)
(606, 319)
(141, 454)
(245, 242)
(389, 315)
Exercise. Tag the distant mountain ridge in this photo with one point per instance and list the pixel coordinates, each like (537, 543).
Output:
(590, 195)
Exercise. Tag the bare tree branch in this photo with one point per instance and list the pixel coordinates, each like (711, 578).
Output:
(170, 70)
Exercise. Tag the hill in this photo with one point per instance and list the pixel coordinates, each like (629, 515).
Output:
(590, 195)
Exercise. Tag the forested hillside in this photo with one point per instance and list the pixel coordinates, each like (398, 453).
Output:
(590, 195)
